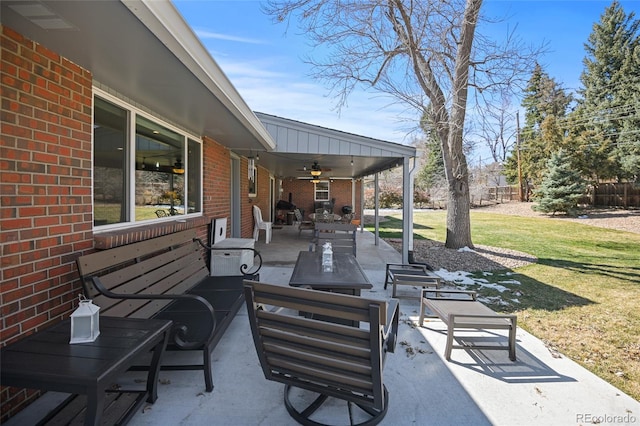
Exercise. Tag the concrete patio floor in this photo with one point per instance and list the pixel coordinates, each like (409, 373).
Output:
(475, 388)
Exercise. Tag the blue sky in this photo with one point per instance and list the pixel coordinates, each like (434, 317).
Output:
(263, 60)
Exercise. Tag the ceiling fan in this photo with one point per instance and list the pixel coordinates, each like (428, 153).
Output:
(315, 169)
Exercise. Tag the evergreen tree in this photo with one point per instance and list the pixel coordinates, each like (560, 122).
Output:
(545, 104)
(432, 172)
(606, 122)
(561, 187)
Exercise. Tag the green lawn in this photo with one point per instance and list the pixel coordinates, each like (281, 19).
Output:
(581, 297)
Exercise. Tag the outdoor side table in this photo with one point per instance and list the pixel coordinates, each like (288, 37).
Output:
(408, 274)
(45, 360)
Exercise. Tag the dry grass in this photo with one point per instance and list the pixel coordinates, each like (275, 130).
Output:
(581, 297)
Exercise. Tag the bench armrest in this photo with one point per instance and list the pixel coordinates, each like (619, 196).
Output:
(180, 332)
(243, 268)
(467, 294)
(390, 328)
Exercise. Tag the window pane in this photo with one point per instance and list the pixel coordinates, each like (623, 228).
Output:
(193, 172)
(322, 191)
(160, 168)
(109, 163)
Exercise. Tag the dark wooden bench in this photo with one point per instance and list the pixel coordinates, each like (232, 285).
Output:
(167, 278)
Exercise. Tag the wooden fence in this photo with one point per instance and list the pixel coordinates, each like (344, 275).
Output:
(626, 195)
(613, 195)
(501, 194)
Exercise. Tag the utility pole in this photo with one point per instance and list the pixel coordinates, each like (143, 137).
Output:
(520, 191)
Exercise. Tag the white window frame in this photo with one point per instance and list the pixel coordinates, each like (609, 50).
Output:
(131, 138)
(327, 191)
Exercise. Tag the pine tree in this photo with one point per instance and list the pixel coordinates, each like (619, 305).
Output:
(606, 121)
(545, 104)
(561, 187)
(432, 173)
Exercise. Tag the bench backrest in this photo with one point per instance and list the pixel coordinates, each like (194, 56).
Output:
(327, 357)
(170, 264)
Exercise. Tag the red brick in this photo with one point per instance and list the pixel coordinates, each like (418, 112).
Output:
(35, 321)
(17, 294)
(17, 223)
(46, 221)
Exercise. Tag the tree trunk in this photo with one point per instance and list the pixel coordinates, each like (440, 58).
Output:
(458, 219)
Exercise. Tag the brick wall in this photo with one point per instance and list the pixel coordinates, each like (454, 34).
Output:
(302, 194)
(216, 179)
(45, 213)
(46, 216)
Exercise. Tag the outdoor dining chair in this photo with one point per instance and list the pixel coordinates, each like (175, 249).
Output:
(320, 358)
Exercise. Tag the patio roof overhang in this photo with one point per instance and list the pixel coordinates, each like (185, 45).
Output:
(340, 154)
(145, 51)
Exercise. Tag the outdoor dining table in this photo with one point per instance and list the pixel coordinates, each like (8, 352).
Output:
(347, 276)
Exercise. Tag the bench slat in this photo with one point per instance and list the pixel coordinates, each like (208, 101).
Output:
(100, 260)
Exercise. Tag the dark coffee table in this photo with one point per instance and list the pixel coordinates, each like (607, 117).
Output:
(45, 360)
(347, 276)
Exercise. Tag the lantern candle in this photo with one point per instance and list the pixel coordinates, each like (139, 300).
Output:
(85, 322)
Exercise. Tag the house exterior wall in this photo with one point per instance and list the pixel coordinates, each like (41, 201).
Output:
(46, 216)
(46, 212)
(302, 194)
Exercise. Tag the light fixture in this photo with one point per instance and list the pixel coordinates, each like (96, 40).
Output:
(315, 181)
(352, 160)
(177, 167)
(315, 169)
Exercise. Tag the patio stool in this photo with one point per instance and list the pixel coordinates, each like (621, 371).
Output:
(410, 274)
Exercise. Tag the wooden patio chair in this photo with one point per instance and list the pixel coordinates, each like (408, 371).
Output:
(342, 237)
(319, 357)
(303, 224)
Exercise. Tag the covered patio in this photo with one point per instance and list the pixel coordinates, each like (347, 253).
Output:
(475, 388)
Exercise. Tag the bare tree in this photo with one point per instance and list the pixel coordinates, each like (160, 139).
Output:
(420, 52)
(498, 127)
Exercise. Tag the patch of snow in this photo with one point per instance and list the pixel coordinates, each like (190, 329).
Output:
(515, 282)
(583, 216)
(464, 279)
(465, 248)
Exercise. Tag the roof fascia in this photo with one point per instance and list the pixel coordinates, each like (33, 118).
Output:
(166, 23)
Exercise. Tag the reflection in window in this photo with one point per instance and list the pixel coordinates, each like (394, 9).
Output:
(109, 163)
(166, 179)
(159, 171)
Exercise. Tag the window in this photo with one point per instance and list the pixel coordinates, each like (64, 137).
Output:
(153, 174)
(321, 190)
